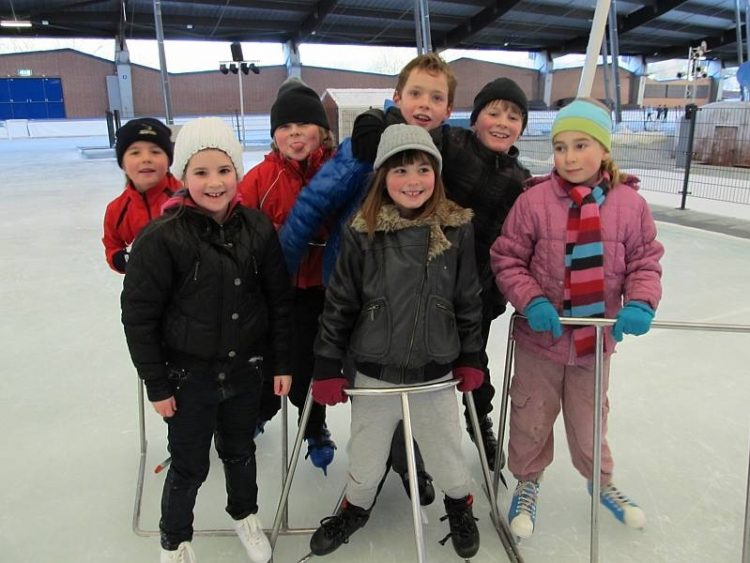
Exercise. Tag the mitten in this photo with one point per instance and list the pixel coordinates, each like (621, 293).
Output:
(368, 127)
(120, 260)
(329, 391)
(634, 318)
(469, 378)
(542, 317)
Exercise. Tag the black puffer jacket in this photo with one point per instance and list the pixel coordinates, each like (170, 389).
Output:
(404, 304)
(200, 295)
(486, 182)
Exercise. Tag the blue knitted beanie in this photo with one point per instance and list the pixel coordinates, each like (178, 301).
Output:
(587, 116)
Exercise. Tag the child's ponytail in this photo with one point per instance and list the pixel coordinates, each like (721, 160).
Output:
(615, 175)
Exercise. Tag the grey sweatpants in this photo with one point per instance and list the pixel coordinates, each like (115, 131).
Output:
(435, 422)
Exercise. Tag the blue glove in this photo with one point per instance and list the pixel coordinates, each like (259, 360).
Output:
(634, 318)
(542, 317)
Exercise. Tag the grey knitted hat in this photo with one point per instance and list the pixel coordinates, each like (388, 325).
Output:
(206, 133)
(400, 137)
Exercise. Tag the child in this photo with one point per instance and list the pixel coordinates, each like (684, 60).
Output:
(144, 152)
(481, 171)
(403, 303)
(423, 96)
(576, 243)
(302, 142)
(205, 289)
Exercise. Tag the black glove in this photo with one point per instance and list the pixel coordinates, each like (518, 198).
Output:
(368, 127)
(120, 260)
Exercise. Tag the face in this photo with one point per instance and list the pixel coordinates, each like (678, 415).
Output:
(410, 185)
(211, 179)
(297, 140)
(578, 157)
(145, 164)
(499, 125)
(424, 99)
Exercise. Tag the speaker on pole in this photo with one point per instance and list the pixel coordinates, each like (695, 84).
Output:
(236, 51)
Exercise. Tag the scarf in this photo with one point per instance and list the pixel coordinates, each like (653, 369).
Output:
(584, 264)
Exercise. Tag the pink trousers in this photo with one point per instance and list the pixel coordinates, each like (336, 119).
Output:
(540, 387)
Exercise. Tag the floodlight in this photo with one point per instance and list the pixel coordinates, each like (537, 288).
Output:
(15, 23)
(223, 69)
(234, 68)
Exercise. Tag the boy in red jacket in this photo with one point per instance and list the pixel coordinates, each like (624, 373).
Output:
(144, 152)
(302, 142)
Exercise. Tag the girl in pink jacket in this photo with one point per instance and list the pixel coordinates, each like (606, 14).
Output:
(579, 242)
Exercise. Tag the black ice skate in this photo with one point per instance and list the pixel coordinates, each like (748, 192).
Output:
(464, 533)
(336, 529)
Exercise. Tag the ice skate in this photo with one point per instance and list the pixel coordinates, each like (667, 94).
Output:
(320, 449)
(621, 507)
(522, 513)
(183, 554)
(489, 441)
(252, 536)
(463, 528)
(336, 530)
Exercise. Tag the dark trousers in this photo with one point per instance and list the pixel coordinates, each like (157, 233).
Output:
(484, 394)
(207, 410)
(308, 305)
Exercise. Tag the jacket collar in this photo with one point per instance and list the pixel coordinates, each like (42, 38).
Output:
(448, 214)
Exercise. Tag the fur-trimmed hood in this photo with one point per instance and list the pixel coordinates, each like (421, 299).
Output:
(447, 214)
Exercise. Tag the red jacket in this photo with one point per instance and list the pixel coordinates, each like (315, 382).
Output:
(129, 212)
(273, 186)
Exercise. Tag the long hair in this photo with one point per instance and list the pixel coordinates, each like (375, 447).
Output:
(377, 194)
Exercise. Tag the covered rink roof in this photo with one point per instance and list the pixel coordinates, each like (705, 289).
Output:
(654, 29)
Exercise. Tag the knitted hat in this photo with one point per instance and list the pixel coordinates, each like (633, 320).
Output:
(399, 138)
(587, 116)
(206, 133)
(501, 89)
(296, 102)
(143, 129)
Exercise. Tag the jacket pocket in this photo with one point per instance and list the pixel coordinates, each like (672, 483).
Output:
(443, 344)
(372, 333)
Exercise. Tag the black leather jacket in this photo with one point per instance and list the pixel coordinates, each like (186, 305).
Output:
(202, 296)
(405, 303)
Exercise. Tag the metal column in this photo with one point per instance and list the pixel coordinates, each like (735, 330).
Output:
(163, 63)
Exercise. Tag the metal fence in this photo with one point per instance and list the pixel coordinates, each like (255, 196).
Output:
(714, 164)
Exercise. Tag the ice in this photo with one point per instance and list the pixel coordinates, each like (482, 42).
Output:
(678, 426)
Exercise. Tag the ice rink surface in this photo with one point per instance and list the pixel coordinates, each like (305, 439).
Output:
(678, 426)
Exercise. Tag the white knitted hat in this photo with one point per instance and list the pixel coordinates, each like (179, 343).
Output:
(206, 133)
(399, 138)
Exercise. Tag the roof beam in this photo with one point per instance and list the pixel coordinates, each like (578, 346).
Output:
(728, 37)
(476, 23)
(314, 19)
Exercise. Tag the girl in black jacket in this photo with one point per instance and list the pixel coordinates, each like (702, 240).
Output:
(205, 294)
(403, 303)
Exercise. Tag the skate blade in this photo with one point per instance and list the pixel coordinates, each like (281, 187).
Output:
(307, 557)
(425, 520)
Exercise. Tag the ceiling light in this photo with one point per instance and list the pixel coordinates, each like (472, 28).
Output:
(15, 23)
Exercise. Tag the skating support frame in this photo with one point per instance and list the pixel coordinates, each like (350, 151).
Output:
(599, 325)
(498, 520)
(143, 446)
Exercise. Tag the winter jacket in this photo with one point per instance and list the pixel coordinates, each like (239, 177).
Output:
(405, 303)
(273, 186)
(487, 182)
(335, 192)
(129, 212)
(528, 259)
(204, 296)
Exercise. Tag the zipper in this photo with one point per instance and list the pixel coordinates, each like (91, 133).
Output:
(371, 310)
(419, 308)
(195, 273)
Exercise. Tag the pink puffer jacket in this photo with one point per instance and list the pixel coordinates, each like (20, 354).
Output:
(528, 259)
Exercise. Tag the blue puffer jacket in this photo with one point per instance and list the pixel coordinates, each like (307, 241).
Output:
(335, 192)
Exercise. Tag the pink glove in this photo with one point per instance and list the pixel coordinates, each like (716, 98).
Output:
(469, 378)
(329, 391)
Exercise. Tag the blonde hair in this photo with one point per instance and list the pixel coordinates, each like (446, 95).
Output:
(431, 63)
(327, 139)
(377, 194)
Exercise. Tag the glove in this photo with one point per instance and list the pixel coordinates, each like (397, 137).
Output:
(368, 127)
(469, 378)
(542, 317)
(120, 260)
(634, 318)
(329, 391)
